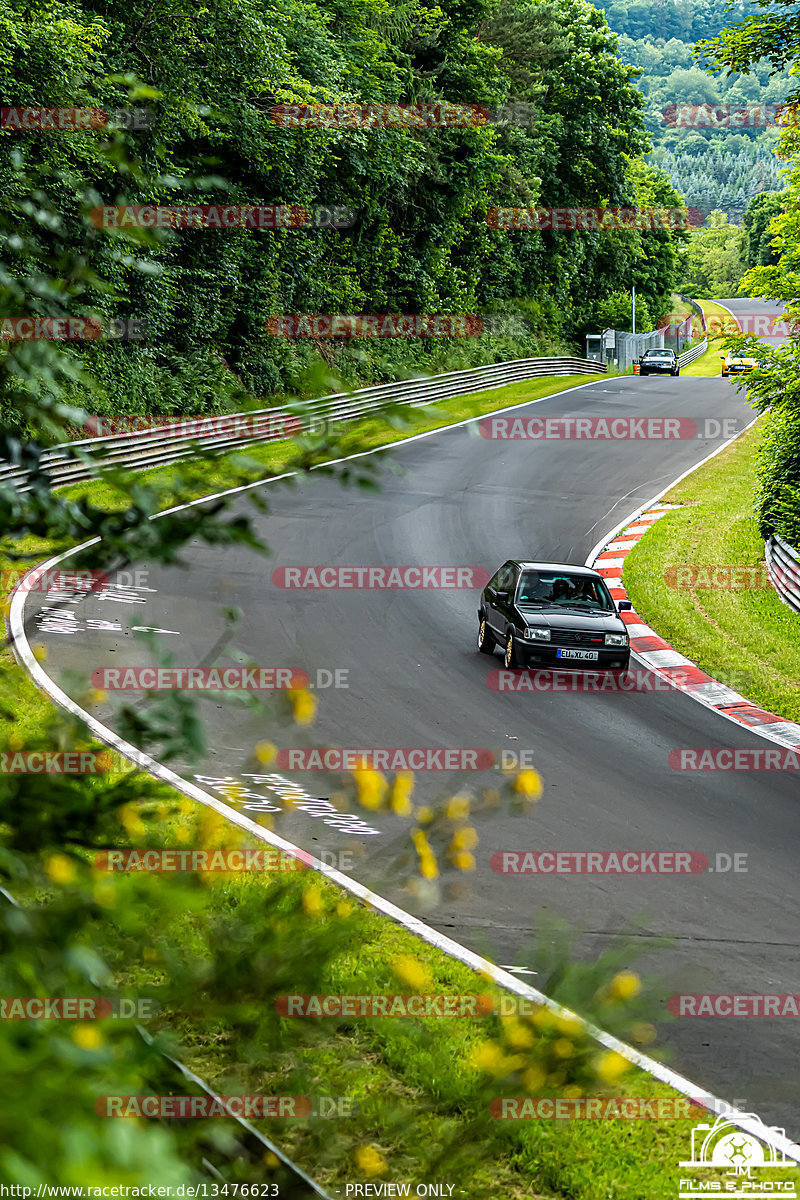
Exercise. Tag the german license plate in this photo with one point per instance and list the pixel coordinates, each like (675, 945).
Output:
(583, 655)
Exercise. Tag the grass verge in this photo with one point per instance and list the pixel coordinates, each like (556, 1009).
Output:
(710, 363)
(745, 635)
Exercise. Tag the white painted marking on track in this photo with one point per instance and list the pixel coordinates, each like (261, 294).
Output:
(152, 629)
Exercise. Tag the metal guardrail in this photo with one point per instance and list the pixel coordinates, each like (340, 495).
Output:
(697, 308)
(783, 569)
(689, 356)
(74, 462)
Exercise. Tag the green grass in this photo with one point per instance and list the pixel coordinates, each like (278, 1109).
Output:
(746, 635)
(417, 1072)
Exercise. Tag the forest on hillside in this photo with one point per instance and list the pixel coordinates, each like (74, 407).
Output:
(712, 166)
(419, 240)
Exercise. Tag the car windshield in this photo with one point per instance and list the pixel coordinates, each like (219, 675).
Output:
(658, 354)
(551, 589)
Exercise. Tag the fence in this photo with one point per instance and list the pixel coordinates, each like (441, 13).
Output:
(73, 462)
(783, 569)
(631, 346)
(696, 308)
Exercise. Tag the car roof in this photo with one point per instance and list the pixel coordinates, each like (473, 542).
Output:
(571, 568)
(658, 350)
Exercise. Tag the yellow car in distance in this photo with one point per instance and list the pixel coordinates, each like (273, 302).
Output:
(734, 364)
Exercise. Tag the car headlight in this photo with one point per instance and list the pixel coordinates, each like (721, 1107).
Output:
(616, 639)
(537, 633)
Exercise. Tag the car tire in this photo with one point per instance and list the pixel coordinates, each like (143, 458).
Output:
(486, 639)
(510, 655)
(676, 373)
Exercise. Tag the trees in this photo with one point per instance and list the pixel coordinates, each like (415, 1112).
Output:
(615, 312)
(757, 220)
(713, 261)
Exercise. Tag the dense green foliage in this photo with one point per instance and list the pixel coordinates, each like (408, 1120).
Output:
(615, 312)
(713, 168)
(769, 35)
(420, 243)
(760, 251)
(714, 261)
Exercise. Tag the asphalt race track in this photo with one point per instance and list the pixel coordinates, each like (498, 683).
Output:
(751, 315)
(415, 680)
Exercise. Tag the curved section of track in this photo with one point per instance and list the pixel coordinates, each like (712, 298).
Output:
(455, 498)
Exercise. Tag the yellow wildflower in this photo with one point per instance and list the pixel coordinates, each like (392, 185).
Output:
(60, 869)
(625, 986)
(370, 1161)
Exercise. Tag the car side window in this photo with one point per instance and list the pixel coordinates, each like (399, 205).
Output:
(503, 580)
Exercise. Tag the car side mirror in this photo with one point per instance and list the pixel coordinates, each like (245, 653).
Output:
(501, 595)
(624, 606)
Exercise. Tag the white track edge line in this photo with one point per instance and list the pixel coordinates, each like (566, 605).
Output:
(446, 945)
(595, 551)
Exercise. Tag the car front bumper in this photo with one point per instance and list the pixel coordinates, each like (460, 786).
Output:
(542, 655)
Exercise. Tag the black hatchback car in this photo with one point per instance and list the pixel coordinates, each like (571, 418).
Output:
(659, 362)
(554, 614)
